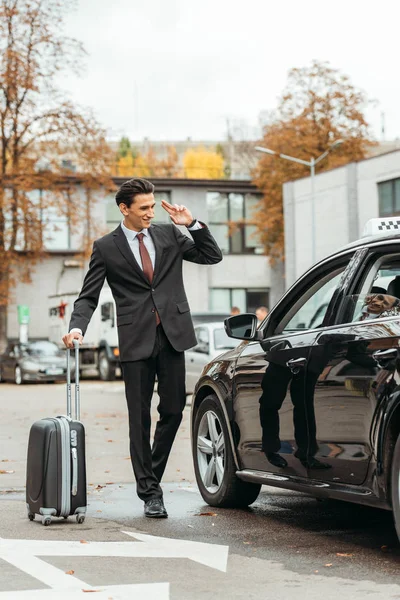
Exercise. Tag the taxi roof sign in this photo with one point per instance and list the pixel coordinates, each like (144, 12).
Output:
(382, 226)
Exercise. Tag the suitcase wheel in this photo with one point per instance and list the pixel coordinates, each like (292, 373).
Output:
(46, 521)
(80, 519)
(31, 516)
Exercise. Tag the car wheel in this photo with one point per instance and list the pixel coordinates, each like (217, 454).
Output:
(214, 464)
(18, 375)
(395, 486)
(106, 368)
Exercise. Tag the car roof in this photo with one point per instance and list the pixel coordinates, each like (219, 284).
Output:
(366, 241)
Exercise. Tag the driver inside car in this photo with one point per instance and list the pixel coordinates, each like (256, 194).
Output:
(379, 305)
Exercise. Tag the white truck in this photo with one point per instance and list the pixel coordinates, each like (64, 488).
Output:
(100, 345)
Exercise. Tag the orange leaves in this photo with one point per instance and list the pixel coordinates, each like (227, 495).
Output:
(201, 163)
(318, 106)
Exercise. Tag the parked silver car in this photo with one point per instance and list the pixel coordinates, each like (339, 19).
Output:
(212, 340)
(33, 362)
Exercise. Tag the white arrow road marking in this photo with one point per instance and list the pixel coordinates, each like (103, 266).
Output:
(24, 554)
(211, 555)
(139, 591)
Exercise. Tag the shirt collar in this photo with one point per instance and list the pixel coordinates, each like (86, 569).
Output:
(130, 234)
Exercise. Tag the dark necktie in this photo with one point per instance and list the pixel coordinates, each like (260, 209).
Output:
(146, 264)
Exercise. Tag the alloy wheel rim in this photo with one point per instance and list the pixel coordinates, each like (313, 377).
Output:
(211, 452)
(18, 376)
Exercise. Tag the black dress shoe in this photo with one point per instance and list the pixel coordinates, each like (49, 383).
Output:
(313, 463)
(276, 459)
(155, 509)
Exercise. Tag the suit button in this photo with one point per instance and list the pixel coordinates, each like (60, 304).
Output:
(153, 310)
(153, 290)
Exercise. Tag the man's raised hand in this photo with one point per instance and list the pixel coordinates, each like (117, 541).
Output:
(180, 215)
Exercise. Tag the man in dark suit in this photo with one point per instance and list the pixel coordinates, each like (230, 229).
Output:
(143, 267)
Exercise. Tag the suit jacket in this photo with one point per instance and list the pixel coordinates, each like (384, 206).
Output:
(135, 297)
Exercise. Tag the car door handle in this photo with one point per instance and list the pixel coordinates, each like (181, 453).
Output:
(382, 357)
(296, 364)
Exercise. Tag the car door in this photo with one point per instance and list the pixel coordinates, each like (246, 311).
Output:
(273, 394)
(197, 357)
(356, 360)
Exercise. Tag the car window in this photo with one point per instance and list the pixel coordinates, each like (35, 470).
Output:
(309, 311)
(379, 295)
(41, 349)
(203, 340)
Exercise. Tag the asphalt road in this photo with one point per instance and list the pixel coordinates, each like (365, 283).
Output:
(286, 545)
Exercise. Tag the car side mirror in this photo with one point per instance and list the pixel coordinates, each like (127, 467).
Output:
(242, 327)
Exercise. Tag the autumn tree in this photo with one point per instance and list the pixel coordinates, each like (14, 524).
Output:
(319, 106)
(200, 163)
(135, 164)
(39, 128)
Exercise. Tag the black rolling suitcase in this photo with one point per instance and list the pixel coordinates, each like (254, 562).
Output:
(56, 468)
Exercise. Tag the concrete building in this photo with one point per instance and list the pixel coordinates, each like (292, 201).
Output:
(345, 198)
(244, 278)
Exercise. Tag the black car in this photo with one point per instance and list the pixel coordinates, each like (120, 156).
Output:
(310, 401)
(33, 362)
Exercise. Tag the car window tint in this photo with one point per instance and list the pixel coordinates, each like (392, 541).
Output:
(309, 311)
(379, 295)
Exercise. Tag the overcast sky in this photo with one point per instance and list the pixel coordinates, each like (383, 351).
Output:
(172, 69)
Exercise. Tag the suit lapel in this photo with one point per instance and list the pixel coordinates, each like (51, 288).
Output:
(123, 246)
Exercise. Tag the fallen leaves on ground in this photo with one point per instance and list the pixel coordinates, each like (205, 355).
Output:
(71, 572)
(2, 472)
(206, 514)
(83, 542)
(99, 487)
(343, 554)
(328, 565)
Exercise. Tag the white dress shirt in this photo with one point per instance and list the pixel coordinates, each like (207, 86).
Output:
(133, 242)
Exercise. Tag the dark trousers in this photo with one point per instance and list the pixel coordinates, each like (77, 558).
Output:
(148, 461)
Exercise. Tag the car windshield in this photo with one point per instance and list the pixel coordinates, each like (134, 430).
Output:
(40, 349)
(222, 341)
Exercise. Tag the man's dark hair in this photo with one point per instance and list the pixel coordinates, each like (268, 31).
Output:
(131, 188)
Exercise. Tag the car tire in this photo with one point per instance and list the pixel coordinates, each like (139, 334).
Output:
(18, 375)
(395, 486)
(213, 460)
(106, 367)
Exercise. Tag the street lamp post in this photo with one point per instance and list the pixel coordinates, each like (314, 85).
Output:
(311, 164)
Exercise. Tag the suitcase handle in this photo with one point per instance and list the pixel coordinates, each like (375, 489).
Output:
(77, 390)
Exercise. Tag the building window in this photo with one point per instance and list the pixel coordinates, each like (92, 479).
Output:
(389, 198)
(114, 216)
(247, 300)
(225, 208)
